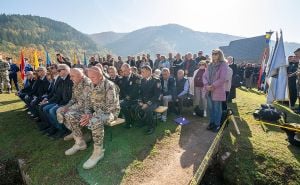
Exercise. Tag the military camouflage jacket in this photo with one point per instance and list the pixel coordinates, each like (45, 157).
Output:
(4, 67)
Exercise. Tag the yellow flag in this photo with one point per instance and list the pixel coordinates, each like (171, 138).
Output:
(35, 60)
(75, 59)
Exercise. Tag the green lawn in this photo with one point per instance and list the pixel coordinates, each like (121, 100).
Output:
(45, 159)
(256, 157)
(259, 157)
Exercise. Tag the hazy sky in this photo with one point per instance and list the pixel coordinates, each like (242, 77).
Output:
(236, 17)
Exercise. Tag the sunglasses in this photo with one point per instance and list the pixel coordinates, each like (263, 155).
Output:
(59, 70)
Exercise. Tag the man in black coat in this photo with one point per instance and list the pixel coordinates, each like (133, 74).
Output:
(129, 93)
(113, 75)
(149, 98)
(62, 97)
(168, 93)
(39, 89)
(27, 85)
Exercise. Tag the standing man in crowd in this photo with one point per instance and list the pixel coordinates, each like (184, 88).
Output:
(4, 78)
(14, 69)
(62, 60)
(292, 80)
(129, 93)
(149, 99)
(297, 54)
(102, 106)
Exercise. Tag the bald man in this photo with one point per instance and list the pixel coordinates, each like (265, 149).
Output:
(71, 112)
(101, 106)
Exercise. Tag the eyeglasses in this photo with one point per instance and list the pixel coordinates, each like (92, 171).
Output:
(59, 70)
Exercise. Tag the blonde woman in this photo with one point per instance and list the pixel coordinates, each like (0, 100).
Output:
(214, 80)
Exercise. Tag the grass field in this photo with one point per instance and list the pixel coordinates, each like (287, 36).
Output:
(256, 157)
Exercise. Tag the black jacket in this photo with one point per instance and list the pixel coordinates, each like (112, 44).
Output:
(40, 88)
(63, 92)
(29, 87)
(54, 90)
(130, 87)
(150, 90)
(171, 87)
(116, 80)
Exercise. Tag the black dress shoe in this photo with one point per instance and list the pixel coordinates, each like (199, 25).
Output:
(210, 126)
(59, 134)
(51, 131)
(150, 131)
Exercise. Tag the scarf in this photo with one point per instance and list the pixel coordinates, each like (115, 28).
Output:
(212, 70)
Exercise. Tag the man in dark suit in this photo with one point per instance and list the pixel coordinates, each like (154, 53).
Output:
(62, 97)
(51, 100)
(168, 92)
(27, 85)
(149, 98)
(129, 93)
(113, 75)
(39, 89)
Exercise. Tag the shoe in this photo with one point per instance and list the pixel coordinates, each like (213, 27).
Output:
(204, 114)
(51, 131)
(194, 114)
(46, 130)
(210, 126)
(150, 131)
(29, 113)
(79, 145)
(97, 155)
(216, 129)
(69, 137)
(59, 134)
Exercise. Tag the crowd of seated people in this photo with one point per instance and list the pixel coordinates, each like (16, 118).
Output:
(62, 99)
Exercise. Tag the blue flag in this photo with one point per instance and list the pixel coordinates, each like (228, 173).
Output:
(278, 74)
(48, 60)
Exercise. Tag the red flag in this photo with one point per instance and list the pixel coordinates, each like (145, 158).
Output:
(22, 66)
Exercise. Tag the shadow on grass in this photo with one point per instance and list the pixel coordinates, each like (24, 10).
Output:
(3, 103)
(128, 148)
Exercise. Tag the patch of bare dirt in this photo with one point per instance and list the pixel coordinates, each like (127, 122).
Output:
(175, 159)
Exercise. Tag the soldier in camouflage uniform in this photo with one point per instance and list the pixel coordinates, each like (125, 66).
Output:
(72, 112)
(4, 78)
(101, 106)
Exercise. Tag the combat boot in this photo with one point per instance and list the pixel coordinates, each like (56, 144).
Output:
(79, 145)
(97, 155)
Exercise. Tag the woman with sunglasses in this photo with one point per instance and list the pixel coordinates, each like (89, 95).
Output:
(214, 82)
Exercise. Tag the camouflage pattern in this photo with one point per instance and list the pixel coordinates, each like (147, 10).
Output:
(102, 102)
(4, 78)
(79, 95)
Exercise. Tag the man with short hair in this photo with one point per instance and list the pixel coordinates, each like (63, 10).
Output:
(149, 99)
(4, 78)
(113, 75)
(129, 93)
(13, 70)
(72, 111)
(182, 89)
(297, 54)
(102, 106)
(64, 95)
(168, 93)
(27, 85)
